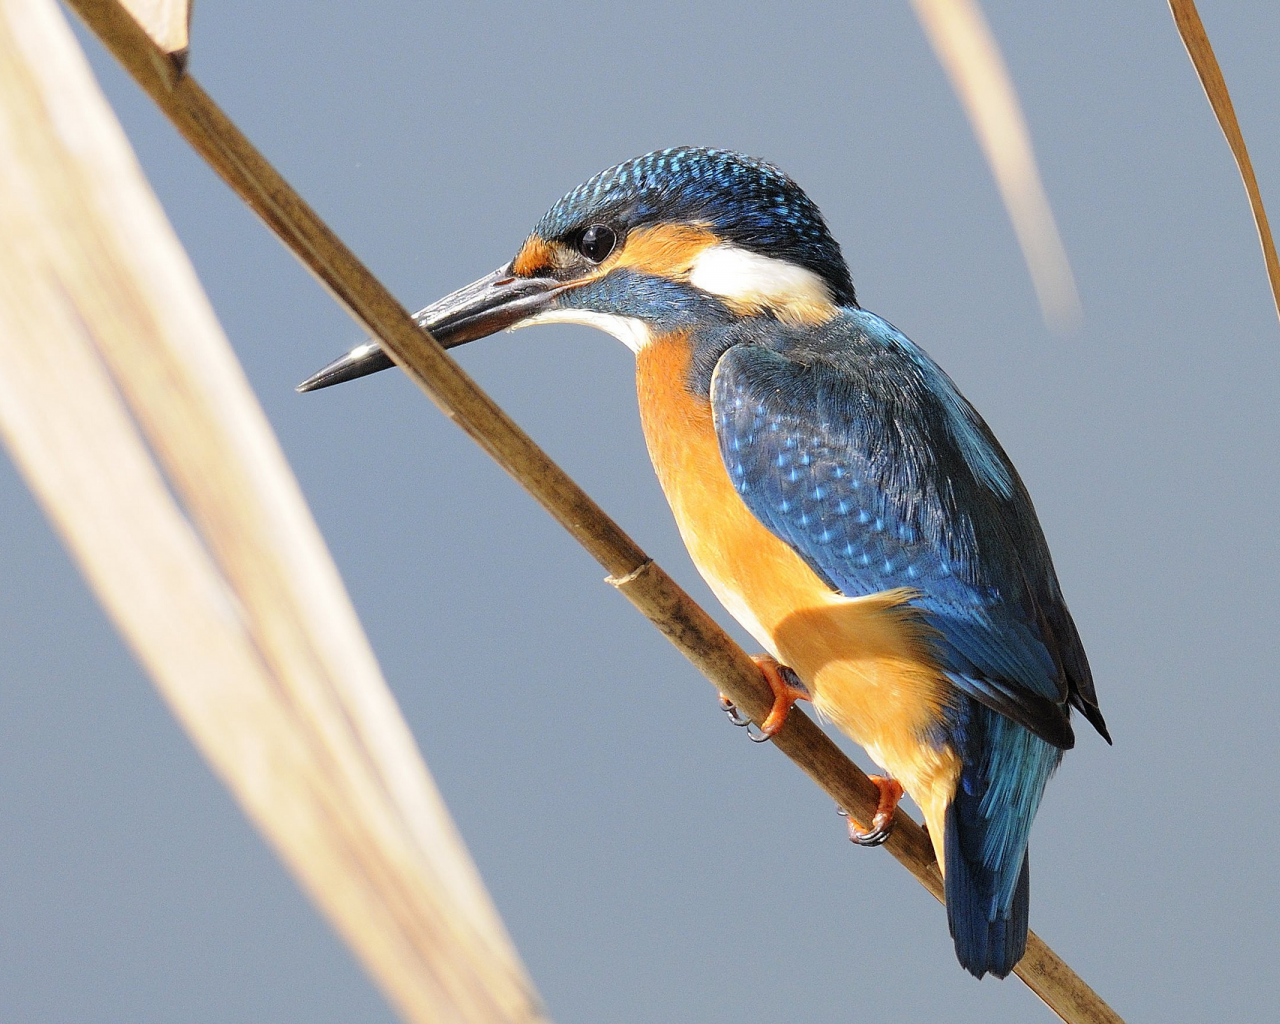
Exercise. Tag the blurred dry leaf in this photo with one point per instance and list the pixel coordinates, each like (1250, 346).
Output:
(1196, 40)
(165, 21)
(109, 352)
(971, 57)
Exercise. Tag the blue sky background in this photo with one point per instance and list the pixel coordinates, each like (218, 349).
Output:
(678, 873)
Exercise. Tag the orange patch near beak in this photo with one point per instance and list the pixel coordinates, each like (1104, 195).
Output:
(535, 257)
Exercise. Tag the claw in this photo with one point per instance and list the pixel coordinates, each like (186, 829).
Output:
(787, 689)
(882, 824)
(740, 720)
(731, 711)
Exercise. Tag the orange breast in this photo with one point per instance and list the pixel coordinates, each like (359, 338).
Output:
(864, 662)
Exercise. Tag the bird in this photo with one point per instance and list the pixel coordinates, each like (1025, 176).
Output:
(841, 498)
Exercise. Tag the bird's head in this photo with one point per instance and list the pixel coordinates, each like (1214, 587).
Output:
(673, 240)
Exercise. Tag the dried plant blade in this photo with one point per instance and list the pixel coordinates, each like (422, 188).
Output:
(971, 57)
(109, 352)
(1196, 40)
(165, 21)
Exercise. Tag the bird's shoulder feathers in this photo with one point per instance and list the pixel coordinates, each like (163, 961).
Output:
(848, 442)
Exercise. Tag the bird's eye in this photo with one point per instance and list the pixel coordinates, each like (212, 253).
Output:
(597, 242)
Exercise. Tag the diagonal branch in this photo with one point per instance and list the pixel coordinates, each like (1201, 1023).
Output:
(630, 570)
(1196, 40)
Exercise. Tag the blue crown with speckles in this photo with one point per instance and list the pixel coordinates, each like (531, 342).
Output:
(745, 201)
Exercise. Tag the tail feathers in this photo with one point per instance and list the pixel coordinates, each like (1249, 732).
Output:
(988, 880)
(987, 940)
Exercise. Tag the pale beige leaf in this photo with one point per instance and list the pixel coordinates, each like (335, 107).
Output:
(971, 57)
(108, 348)
(1196, 40)
(165, 21)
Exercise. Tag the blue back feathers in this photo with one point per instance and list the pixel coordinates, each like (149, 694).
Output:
(848, 442)
(853, 446)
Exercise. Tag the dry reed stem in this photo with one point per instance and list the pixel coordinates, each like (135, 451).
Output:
(109, 353)
(1196, 40)
(971, 57)
(643, 582)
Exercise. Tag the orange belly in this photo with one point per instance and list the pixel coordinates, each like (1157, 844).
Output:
(863, 660)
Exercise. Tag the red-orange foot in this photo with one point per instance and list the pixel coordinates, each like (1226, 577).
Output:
(787, 689)
(882, 823)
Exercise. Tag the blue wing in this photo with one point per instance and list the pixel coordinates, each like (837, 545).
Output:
(850, 444)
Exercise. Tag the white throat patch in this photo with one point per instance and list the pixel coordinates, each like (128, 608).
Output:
(753, 281)
(633, 333)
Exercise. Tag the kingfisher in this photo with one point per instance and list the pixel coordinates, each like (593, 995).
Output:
(839, 495)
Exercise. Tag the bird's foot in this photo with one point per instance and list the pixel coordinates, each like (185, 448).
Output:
(882, 823)
(787, 689)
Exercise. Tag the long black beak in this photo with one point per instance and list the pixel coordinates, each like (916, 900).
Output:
(495, 302)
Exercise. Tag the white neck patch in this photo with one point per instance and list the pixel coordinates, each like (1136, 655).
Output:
(633, 333)
(749, 279)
